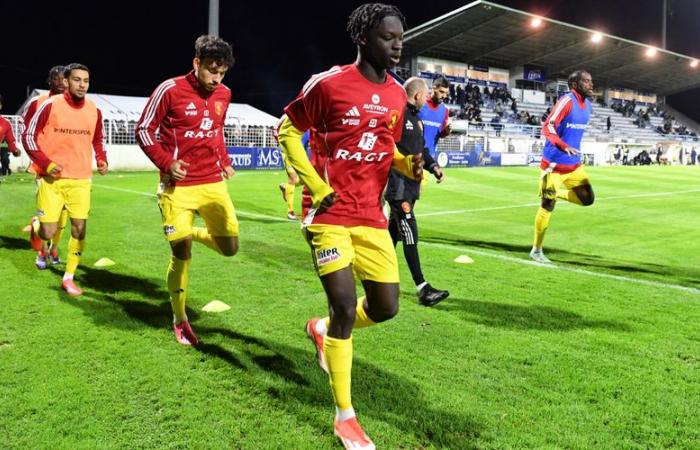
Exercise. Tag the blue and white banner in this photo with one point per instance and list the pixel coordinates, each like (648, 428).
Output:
(260, 158)
(533, 73)
(468, 159)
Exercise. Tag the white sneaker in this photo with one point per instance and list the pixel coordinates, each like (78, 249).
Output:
(538, 255)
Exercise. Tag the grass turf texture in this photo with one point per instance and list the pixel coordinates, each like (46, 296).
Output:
(519, 356)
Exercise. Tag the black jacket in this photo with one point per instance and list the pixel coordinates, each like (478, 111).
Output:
(411, 143)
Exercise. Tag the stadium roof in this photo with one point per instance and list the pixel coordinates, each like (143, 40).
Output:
(120, 107)
(488, 34)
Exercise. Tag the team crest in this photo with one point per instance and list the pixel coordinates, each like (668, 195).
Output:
(393, 119)
(219, 108)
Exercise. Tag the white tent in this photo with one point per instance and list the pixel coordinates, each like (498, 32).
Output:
(120, 107)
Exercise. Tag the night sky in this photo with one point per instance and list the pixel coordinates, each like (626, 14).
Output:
(132, 46)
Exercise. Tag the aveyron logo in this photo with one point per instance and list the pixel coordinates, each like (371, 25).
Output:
(206, 124)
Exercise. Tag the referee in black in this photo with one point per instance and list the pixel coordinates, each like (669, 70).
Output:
(402, 192)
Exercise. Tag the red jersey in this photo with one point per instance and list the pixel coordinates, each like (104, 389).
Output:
(191, 122)
(6, 134)
(356, 123)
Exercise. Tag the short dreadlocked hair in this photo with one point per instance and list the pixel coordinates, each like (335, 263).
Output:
(368, 16)
(214, 48)
(55, 70)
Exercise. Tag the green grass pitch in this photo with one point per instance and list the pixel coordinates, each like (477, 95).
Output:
(601, 350)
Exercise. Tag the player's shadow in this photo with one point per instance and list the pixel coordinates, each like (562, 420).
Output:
(379, 394)
(110, 282)
(13, 243)
(270, 255)
(530, 317)
(297, 384)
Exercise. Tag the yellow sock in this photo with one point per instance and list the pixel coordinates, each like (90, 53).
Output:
(289, 191)
(568, 195)
(56, 239)
(339, 361)
(201, 235)
(177, 286)
(362, 320)
(541, 224)
(75, 250)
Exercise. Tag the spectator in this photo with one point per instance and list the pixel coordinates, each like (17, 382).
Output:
(608, 124)
(496, 125)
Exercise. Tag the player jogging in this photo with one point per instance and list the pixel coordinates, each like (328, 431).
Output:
(289, 187)
(191, 154)
(46, 251)
(60, 139)
(356, 114)
(6, 135)
(561, 159)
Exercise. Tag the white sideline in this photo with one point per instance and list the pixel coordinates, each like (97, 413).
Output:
(486, 254)
(565, 268)
(528, 205)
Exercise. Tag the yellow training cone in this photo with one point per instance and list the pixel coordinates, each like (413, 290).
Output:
(104, 262)
(216, 306)
(463, 259)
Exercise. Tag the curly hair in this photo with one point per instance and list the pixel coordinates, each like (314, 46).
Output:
(368, 16)
(55, 70)
(214, 48)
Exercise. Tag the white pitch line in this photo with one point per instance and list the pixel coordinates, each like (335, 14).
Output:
(528, 205)
(487, 254)
(565, 268)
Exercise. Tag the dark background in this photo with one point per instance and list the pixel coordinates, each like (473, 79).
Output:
(132, 46)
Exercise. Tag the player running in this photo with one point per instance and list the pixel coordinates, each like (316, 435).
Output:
(47, 252)
(191, 154)
(6, 135)
(356, 113)
(60, 139)
(561, 159)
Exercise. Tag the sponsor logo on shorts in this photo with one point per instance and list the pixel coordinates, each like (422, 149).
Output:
(168, 229)
(40, 212)
(326, 256)
(406, 207)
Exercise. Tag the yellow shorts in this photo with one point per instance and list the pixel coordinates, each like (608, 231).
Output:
(178, 205)
(550, 182)
(369, 250)
(54, 194)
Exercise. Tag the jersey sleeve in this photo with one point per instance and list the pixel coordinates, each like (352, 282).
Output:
(308, 109)
(98, 141)
(549, 128)
(153, 114)
(10, 138)
(32, 131)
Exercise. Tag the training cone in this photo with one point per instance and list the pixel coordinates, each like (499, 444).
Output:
(216, 306)
(464, 259)
(104, 262)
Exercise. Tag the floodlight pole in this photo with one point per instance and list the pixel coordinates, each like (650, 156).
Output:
(664, 18)
(214, 17)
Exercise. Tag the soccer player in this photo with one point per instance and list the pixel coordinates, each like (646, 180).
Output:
(193, 162)
(402, 192)
(355, 112)
(435, 115)
(561, 160)
(46, 251)
(60, 139)
(6, 136)
(289, 187)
